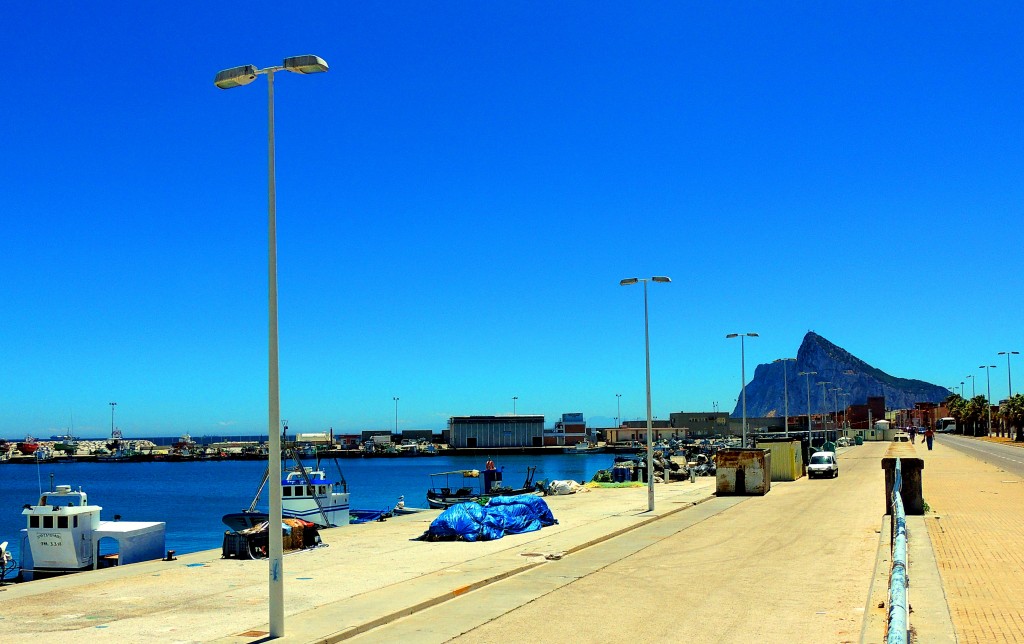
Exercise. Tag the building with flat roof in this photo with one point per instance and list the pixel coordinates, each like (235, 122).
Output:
(496, 431)
(700, 424)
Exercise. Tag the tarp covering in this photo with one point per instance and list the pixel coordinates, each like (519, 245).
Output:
(502, 515)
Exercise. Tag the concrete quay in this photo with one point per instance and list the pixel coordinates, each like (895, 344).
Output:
(805, 563)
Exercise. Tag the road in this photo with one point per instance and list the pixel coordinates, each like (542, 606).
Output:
(1007, 457)
(702, 574)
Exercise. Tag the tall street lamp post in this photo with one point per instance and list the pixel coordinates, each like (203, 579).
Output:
(835, 398)
(785, 387)
(112, 405)
(395, 398)
(988, 388)
(514, 399)
(743, 376)
(824, 403)
(618, 410)
(1009, 381)
(961, 388)
(227, 79)
(647, 355)
(974, 391)
(808, 374)
(846, 408)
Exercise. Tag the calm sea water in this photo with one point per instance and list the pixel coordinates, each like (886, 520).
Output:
(192, 497)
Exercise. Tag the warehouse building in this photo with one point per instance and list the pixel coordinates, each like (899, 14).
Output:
(496, 431)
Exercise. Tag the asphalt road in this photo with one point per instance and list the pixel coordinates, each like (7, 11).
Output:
(792, 566)
(1007, 457)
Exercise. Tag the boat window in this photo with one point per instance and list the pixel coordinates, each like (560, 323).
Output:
(76, 520)
(323, 489)
(33, 522)
(286, 490)
(310, 490)
(62, 522)
(47, 522)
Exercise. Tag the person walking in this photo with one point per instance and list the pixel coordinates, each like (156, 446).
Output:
(913, 434)
(929, 435)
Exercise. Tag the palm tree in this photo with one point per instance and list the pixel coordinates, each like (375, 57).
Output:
(975, 412)
(1012, 413)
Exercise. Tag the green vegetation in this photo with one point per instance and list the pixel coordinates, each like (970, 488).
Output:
(1012, 413)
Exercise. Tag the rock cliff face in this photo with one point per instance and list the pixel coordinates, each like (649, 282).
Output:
(765, 397)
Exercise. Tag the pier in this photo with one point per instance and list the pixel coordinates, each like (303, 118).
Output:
(805, 562)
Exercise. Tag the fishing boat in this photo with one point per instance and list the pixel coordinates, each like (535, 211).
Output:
(63, 534)
(584, 447)
(307, 493)
(121, 451)
(473, 485)
(28, 446)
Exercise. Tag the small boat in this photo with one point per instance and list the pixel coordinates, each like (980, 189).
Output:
(584, 447)
(63, 534)
(473, 485)
(28, 446)
(306, 493)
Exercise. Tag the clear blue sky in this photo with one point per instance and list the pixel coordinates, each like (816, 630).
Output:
(460, 195)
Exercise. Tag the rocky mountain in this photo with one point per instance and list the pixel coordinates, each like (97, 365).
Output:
(840, 368)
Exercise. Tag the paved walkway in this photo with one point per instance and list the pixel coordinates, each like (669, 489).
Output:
(976, 524)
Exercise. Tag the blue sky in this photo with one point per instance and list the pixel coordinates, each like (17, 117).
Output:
(460, 195)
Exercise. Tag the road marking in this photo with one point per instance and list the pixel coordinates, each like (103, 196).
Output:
(965, 445)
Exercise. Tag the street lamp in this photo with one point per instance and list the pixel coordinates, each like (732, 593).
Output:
(824, 404)
(112, 405)
(395, 398)
(743, 376)
(846, 409)
(974, 391)
(808, 374)
(961, 388)
(236, 77)
(618, 410)
(514, 399)
(835, 398)
(988, 388)
(785, 388)
(647, 355)
(1009, 382)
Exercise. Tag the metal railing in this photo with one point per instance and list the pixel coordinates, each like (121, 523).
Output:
(899, 618)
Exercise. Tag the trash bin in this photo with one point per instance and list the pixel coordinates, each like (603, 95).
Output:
(858, 440)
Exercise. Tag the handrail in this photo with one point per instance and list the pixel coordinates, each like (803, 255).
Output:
(899, 618)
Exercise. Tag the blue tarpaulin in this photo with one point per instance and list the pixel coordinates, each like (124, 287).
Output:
(502, 515)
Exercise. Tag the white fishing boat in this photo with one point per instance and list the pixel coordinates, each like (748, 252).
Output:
(307, 493)
(63, 534)
(584, 447)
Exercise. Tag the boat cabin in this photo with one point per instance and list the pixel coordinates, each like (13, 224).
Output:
(62, 534)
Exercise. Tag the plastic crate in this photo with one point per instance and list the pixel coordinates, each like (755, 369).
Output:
(236, 546)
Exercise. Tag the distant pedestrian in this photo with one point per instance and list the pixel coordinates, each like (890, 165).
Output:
(913, 434)
(929, 435)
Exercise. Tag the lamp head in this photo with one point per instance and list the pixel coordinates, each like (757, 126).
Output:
(235, 77)
(307, 64)
(732, 335)
(628, 281)
(660, 278)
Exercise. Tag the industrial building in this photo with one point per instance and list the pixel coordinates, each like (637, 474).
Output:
(496, 431)
(700, 424)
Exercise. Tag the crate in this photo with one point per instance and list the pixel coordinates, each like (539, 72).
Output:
(237, 546)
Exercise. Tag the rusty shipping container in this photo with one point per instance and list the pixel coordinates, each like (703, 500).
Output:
(743, 471)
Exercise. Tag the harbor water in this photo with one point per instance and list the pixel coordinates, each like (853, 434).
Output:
(191, 497)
